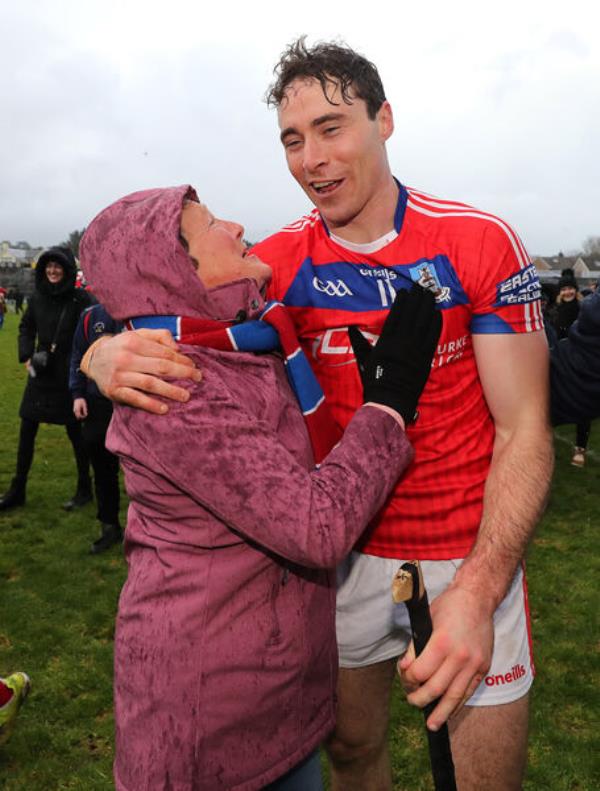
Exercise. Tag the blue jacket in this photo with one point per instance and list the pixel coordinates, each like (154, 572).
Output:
(93, 323)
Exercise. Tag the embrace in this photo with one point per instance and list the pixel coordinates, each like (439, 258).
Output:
(225, 640)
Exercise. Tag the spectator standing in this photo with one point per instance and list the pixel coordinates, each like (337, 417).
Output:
(3, 309)
(565, 314)
(18, 297)
(575, 367)
(45, 338)
(95, 412)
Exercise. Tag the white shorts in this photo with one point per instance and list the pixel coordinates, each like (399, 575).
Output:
(371, 628)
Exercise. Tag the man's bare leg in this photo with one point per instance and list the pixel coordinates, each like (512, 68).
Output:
(358, 749)
(489, 746)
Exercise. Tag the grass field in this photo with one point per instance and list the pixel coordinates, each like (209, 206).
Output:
(57, 607)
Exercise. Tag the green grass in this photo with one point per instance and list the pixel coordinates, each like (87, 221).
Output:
(57, 607)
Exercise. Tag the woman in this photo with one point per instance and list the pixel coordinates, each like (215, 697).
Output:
(45, 337)
(225, 654)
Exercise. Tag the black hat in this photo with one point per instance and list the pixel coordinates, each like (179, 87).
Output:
(63, 255)
(567, 279)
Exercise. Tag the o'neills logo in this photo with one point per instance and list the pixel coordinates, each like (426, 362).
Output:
(517, 671)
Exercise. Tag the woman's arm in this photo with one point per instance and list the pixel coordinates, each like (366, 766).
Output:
(27, 332)
(223, 458)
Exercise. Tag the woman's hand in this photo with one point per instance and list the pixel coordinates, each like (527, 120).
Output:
(394, 372)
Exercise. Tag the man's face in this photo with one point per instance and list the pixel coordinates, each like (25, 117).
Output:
(335, 151)
(218, 248)
(54, 272)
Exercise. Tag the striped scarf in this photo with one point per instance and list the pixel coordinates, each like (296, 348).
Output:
(272, 330)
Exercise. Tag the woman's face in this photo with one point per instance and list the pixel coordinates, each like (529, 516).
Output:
(218, 248)
(54, 272)
(567, 293)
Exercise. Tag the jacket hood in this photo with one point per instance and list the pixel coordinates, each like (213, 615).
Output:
(135, 264)
(63, 255)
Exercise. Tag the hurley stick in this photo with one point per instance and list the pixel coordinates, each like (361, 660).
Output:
(408, 587)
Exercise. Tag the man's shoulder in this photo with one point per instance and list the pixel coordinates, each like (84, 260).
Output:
(97, 321)
(455, 220)
(82, 298)
(296, 234)
(95, 309)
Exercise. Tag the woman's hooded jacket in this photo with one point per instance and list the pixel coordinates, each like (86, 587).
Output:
(47, 398)
(225, 654)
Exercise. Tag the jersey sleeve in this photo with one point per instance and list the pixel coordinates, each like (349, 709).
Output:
(506, 295)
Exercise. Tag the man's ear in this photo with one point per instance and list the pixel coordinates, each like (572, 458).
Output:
(385, 121)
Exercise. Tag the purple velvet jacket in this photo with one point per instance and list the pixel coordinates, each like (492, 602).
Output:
(225, 655)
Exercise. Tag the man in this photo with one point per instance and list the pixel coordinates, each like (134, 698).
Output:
(483, 446)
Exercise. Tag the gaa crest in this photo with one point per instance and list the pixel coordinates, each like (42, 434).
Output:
(425, 275)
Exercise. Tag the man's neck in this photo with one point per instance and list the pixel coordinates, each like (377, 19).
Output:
(375, 220)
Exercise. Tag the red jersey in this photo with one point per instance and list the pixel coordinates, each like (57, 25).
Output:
(483, 282)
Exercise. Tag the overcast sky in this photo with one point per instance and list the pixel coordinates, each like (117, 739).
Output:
(496, 104)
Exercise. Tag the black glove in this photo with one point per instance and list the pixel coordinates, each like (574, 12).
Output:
(395, 370)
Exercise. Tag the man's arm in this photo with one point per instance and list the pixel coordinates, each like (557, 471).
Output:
(128, 366)
(513, 369)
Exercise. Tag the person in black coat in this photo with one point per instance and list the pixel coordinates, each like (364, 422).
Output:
(18, 297)
(575, 367)
(95, 411)
(45, 337)
(564, 313)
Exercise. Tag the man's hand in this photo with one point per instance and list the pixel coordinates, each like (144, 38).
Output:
(127, 366)
(456, 658)
(80, 409)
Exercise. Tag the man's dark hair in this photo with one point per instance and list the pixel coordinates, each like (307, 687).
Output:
(329, 64)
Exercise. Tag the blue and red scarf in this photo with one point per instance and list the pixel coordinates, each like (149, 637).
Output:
(272, 330)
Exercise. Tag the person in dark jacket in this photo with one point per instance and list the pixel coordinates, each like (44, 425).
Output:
(575, 367)
(95, 412)
(45, 337)
(566, 306)
(565, 312)
(18, 298)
